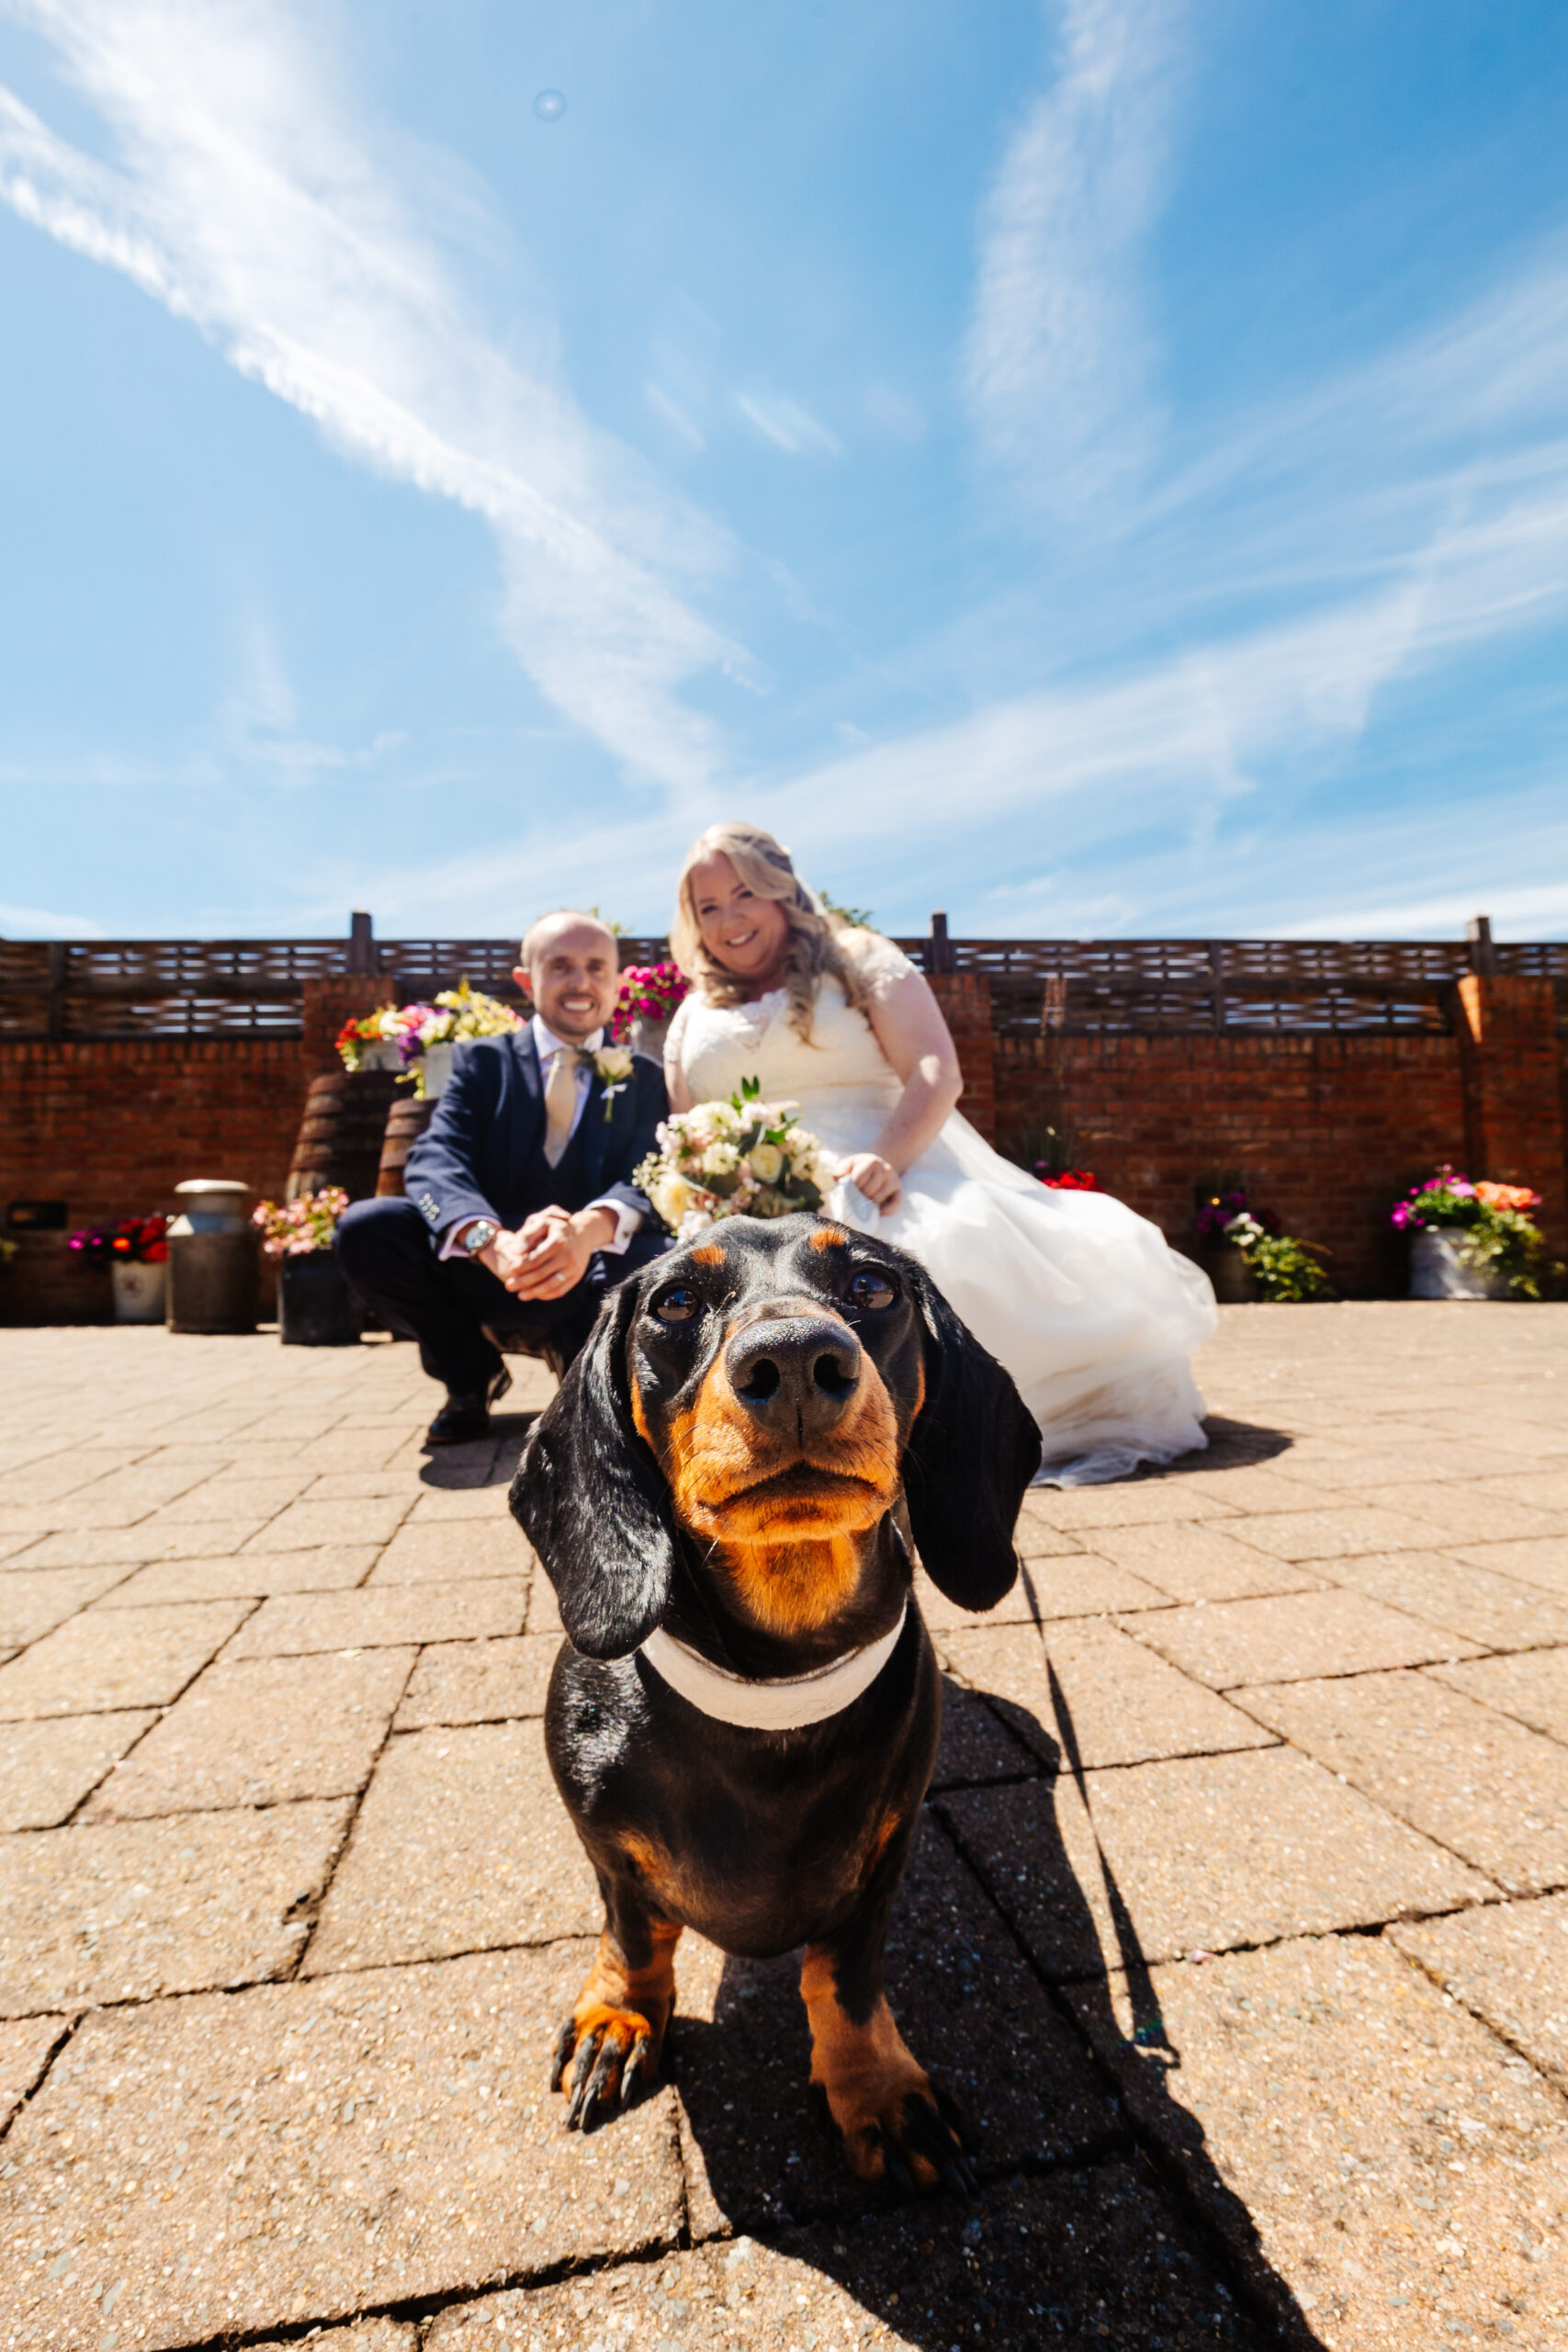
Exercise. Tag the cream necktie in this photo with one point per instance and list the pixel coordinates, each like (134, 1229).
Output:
(560, 1102)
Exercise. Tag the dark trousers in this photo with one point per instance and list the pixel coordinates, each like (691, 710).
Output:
(388, 1262)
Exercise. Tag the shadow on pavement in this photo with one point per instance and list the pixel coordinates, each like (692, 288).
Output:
(1073, 2236)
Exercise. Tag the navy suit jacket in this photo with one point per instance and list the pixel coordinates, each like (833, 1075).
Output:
(483, 1152)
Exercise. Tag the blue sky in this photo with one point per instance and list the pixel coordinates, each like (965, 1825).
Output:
(1099, 467)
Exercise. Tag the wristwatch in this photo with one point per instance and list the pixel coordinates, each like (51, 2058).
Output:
(480, 1236)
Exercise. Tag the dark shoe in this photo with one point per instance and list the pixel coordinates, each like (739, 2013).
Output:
(465, 1416)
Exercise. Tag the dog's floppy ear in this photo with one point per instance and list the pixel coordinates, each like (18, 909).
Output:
(972, 1452)
(590, 1500)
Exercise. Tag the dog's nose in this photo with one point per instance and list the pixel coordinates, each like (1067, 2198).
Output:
(794, 1371)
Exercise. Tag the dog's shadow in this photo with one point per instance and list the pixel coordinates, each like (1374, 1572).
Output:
(1072, 2237)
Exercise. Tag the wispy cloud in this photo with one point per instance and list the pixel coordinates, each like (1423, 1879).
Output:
(787, 425)
(42, 922)
(248, 201)
(1058, 360)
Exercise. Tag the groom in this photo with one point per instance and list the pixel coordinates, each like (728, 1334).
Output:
(520, 1207)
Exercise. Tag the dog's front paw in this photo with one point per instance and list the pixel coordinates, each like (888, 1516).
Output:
(614, 2059)
(903, 2130)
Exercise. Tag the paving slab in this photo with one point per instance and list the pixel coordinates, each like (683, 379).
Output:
(1112, 1701)
(126, 1496)
(1338, 1461)
(544, 1615)
(370, 1518)
(128, 1909)
(1357, 2138)
(1337, 1535)
(152, 1539)
(976, 1744)
(127, 1657)
(1533, 1687)
(966, 2005)
(262, 1730)
(1545, 1489)
(25, 2045)
(1037, 1539)
(332, 1568)
(1496, 1610)
(1467, 1513)
(479, 1682)
(46, 1769)
(1129, 1503)
(32, 1604)
(439, 1506)
(230, 1497)
(453, 1550)
(1251, 1486)
(359, 2335)
(1079, 1584)
(301, 2152)
(462, 1845)
(66, 1472)
(1452, 1768)
(1290, 1636)
(1076, 2258)
(1539, 1559)
(1202, 1853)
(1198, 1560)
(293, 1625)
(1509, 1963)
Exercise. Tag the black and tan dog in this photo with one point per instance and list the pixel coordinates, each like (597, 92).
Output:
(728, 1475)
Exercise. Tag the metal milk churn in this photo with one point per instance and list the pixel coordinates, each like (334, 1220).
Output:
(214, 1259)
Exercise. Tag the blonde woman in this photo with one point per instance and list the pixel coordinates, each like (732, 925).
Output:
(1080, 1298)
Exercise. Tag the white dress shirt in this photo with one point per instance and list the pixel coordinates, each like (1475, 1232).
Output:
(547, 1044)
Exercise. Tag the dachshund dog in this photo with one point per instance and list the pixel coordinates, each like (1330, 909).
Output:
(744, 1717)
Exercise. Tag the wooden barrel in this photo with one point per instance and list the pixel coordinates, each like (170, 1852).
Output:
(406, 1122)
(339, 1134)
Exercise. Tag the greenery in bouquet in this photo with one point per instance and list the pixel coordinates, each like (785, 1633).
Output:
(743, 1158)
(457, 1015)
(1500, 1237)
(650, 992)
(134, 1241)
(1284, 1270)
(298, 1228)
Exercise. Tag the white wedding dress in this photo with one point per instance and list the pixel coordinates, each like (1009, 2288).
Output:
(1083, 1301)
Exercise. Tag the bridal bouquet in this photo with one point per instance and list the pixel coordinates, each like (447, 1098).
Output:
(743, 1158)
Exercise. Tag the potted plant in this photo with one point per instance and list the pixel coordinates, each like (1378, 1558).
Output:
(1472, 1240)
(651, 995)
(315, 1305)
(1247, 1259)
(417, 1039)
(136, 1254)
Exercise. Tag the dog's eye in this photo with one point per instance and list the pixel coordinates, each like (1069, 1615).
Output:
(871, 1291)
(677, 1306)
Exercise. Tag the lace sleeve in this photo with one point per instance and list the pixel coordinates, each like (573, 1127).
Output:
(675, 1036)
(877, 964)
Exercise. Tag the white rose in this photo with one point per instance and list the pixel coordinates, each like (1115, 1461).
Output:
(673, 1197)
(615, 1063)
(767, 1161)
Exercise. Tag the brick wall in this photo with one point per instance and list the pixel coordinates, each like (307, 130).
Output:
(112, 1129)
(1325, 1131)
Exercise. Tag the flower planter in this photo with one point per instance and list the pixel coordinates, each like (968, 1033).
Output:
(315, 1305)
(1440, 1266)
(648, 1038)
(141, 1290)
(436, 1063)
(1227, 1269)
(381, 1053)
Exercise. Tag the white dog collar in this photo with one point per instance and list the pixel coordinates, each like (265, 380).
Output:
(782, 1705)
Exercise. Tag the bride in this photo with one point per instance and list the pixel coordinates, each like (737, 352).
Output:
(1092, 1314)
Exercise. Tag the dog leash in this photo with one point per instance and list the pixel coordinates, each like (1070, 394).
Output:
(783, 1704)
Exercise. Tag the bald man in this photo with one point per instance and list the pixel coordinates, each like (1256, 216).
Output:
(520, 1209)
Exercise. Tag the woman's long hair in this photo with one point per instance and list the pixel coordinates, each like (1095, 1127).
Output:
(814, 947)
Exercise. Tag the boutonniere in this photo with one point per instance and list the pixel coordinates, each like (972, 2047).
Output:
(612, 1067)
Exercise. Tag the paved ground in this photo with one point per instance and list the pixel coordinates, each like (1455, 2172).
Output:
(1236, 1925)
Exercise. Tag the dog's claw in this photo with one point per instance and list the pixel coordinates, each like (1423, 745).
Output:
(615, 2063)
